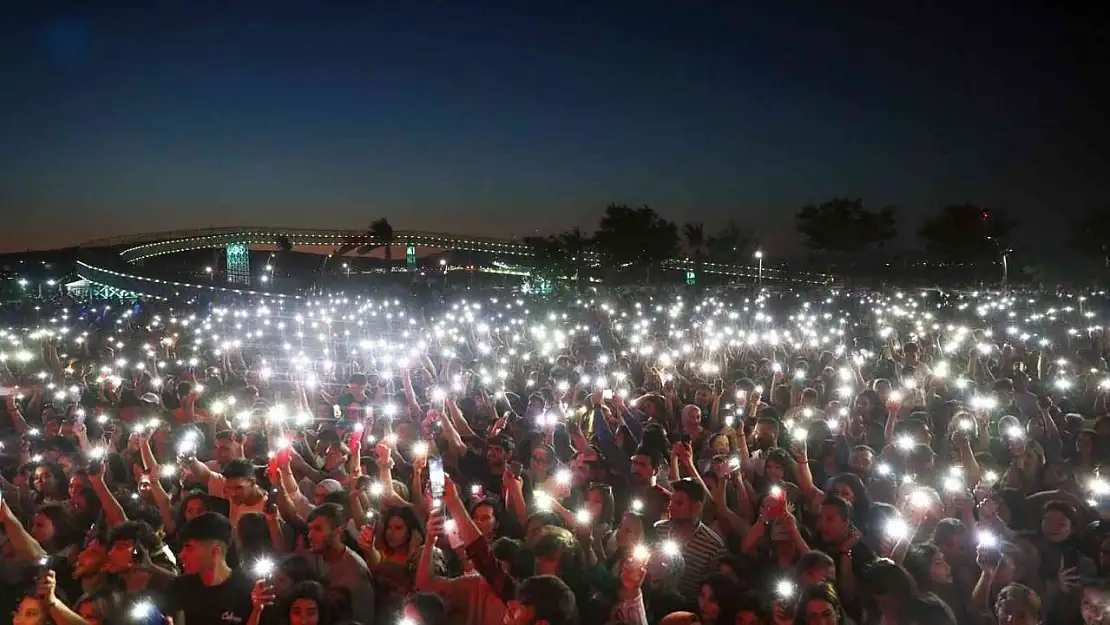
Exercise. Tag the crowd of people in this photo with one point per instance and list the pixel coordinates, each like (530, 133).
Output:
(731, 458)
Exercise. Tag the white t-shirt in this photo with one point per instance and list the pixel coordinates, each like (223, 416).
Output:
(217, 488)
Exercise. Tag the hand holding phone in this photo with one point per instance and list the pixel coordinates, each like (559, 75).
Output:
(437, 480)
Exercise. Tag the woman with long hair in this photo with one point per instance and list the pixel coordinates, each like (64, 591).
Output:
(717, 599)
(49, 483)
(926, 563)
(820, 605)
(391, 549)
(893, 591)
(252, 538)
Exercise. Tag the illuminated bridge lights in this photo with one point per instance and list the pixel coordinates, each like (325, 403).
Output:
(239, 239)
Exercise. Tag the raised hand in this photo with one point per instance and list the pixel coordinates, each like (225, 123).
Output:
(435, 526)
(366, 537)
(47, 587)
(1068, 577)
(383, 453)
(262, 594)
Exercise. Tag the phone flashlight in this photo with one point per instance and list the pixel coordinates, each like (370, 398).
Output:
(264, 568)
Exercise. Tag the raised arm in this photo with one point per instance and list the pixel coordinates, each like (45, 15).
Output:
(426, 578)
(113, 511)
(25, 545)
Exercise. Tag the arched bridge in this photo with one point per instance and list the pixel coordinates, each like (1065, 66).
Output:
(110, 262)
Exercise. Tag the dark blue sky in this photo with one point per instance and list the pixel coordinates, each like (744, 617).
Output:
(505, 118)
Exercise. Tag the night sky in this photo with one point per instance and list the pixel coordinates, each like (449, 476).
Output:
(516, 117)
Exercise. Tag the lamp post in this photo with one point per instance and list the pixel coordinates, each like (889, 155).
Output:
(1004, 254)
(759, 257)
(208, 271)
(443, 265)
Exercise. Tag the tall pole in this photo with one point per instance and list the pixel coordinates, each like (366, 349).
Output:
(759, 257)
(1005, 270)
(1004, 256)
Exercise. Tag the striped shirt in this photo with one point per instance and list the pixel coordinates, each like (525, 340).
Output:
(700, 553)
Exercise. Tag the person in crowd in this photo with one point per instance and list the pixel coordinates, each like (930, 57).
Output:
(337, 564)
(623, 458)
(209, 591)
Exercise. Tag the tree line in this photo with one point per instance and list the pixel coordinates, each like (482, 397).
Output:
(956, 234)
(842, 230)
(631, 239)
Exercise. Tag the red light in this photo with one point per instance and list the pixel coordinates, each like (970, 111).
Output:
(984, 214)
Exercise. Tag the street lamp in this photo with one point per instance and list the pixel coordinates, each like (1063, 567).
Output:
(208, 270)
(347, 267)
(443, 264)
(759, 257)
(1004, 254)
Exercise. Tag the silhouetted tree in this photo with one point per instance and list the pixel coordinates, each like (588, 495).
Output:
(696, 243)
(562, 254)
(843, 227)
(1090, 234)
(732, 245)
(382, 234)
(964, 233)
(548, 257)
(378, 235)
(635, 236)
(575, 247)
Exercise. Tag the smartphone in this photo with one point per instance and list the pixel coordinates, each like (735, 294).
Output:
(436, 478)
(607, 394)
(42, 566)
(516, 468)
(144, 612)
(271, 501)
(451, 530)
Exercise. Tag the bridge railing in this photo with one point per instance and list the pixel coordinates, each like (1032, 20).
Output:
(99, 268)
(175, 241)
(331, 236)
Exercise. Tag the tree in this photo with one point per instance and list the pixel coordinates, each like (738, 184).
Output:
(380, 234)
(696, 243)
(575, 247)
(560, 254)
(1089, 234)
(284, 247)
(965, 233)
(732, 246)
(548, 256)
(635, 236)
(842, 226)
